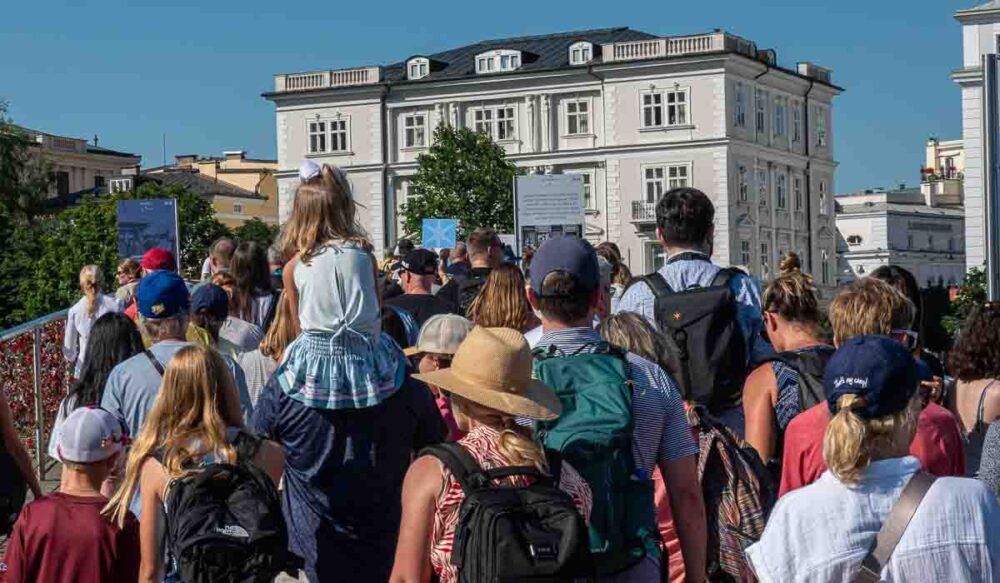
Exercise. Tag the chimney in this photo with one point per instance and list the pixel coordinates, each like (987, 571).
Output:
(186, 160)
(234, 155)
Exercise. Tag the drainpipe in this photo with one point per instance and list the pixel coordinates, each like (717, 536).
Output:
(604, 133)
(388, 224)
(808, 176)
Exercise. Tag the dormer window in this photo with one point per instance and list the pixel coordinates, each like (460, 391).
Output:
(417, 68)
(498, 61)
(581, 53)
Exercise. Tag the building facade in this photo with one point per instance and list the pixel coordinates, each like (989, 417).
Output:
(76, 165)
(635, 114)
(255, 186)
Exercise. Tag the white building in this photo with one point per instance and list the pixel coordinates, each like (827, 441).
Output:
(634, 113)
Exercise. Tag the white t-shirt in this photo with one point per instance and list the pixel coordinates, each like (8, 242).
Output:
(78, 324)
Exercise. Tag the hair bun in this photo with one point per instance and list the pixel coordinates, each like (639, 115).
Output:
(789, 263)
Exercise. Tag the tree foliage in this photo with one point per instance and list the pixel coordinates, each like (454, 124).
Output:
(257, 231)
(463, 176)
(971, 294)
(24, 178)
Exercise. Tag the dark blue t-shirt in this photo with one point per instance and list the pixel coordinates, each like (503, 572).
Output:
(344, 476)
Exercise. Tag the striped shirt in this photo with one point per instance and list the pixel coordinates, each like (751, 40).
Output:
(483, 443)
(662, 433)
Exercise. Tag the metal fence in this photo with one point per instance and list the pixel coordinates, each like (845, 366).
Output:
(34, 377)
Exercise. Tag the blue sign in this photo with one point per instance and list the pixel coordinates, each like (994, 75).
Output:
(438, 233)
(144, 224)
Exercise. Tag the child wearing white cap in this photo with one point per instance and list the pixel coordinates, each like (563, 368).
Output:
(62, 537)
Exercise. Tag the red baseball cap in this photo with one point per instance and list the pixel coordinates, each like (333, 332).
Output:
(158, 258)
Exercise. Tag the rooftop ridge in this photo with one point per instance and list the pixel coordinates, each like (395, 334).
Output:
(552, 35)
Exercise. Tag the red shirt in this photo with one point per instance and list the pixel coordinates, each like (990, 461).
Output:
(938, 446)
(64, 539)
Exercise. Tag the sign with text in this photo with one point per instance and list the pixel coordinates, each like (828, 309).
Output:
(145, 224)
(438, 233)
(548, 205)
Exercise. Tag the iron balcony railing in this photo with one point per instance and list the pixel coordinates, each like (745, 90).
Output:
(643, 212)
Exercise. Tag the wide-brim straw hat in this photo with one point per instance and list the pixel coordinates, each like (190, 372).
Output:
(492, 367)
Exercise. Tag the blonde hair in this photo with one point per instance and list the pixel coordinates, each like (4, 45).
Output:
(502, 302)
(793, 295)
(869, 307)
(517, 443)
(91, 281)
(635, 334)
(227, 282)
(851, 442)
(284, 328)
(197, 402)
(162, 329)
(130, 267)
(324, 210)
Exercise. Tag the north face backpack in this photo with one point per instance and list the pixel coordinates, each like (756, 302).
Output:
(705, 344)
(531, 533)
(810, 364)
(224, 521)
(594, 435)
(739, 495)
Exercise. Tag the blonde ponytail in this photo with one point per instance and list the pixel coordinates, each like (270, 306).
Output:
(519, 446)
(851, 442)
(91, 281)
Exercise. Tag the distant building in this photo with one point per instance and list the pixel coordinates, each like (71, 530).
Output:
(921, 229)
(239, 188)
(76, 165)
(633, 113)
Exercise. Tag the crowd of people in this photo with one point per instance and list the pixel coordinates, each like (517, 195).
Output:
(306, 412)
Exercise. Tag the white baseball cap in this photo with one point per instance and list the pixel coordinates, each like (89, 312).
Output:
(441, 334)
(91, 434)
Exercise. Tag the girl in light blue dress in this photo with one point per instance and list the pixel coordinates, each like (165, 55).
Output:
(342, 360)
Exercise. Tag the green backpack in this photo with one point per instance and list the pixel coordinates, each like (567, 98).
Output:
(594, 434)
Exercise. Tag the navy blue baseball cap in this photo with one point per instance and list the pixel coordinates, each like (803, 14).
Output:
(568, 254)
(212, 300)
(877, 368)
(162, 294)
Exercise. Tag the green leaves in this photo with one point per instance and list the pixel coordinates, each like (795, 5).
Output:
(464, 176)
(971, 293)
(257, 231)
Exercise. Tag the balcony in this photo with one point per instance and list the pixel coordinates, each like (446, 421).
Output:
(327, 79)
(679, 46)
(643, 212)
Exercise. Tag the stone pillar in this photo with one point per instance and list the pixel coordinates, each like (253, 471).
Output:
(530, 109)
(546, 123)
(439, 117)
(455, 117)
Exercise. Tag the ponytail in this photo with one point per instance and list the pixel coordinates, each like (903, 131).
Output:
(90, 283)
(519, 446)
(851, 442)
(792, 294)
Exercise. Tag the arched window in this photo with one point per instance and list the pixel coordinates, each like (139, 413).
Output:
(417, 68)
(581, 53)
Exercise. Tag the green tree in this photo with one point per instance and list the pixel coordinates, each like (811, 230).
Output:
(463, 176)
(257, 231)
(24, 176)
(971, 294)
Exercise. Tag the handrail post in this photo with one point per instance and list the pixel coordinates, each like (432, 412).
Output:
(36, 362)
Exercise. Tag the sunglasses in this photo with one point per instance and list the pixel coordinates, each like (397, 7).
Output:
(910, 338)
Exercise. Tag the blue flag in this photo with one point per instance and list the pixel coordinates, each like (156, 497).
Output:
(438, 233)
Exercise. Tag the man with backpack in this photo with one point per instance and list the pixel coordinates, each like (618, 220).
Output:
(622, 416)
(485, 254)
(710, 316)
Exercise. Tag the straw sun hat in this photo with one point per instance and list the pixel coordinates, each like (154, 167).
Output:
(492, 367)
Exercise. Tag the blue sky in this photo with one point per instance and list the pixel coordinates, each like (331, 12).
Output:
(133, 71)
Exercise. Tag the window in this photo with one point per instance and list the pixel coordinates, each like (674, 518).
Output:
(415, 130)
(417, 69)
(588, 192)
(577, 117)
(338, 135)
(951, 244)
(761, 110)
(796, 123)
(677, 108)
(655, 256)
(317, 137)
(580, 53)
(854, 240)
(99, 181)
(909, 241)
(654, 183)
(765, 259)
(821, 126)
(822, 197)
(930, 242)
(797, 192)
(779, 117)
(825, 265)
(743, 187)
(500, 60)
(121, 185)
(740, 112)
(237, 208)
(780, 191)
(744, 252)
(405, 192)
(762, 186)
(652, 110)
(496, 122)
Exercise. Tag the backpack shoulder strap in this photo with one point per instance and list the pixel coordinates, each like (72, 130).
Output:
(657, 284)
(467, 471)
(725, 275)
(247, 445)
(893, 528)
(156, 363)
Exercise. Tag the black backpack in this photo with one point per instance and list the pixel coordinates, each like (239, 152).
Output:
(469, 286)
(224, 522)
(704, 340)
(534, 533)
(810, 364)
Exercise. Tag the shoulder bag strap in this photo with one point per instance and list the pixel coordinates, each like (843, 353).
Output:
(467, 471)
(156, 363)
(657, 284)
(894, 527)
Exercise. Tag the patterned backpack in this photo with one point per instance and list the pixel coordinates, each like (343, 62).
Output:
(739, 495)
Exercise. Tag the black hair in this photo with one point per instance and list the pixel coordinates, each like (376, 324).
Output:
(114, 338)
(684, 216)
(394, 326)
(252, 273)
(903, 280)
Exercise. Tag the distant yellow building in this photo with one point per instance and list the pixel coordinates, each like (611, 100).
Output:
(238, 187)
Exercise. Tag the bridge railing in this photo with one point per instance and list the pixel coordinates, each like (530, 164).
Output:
(34, 377)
